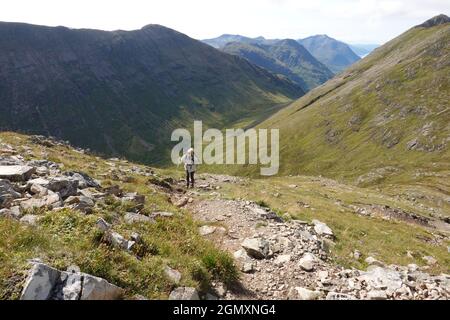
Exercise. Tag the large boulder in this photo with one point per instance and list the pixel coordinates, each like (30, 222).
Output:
(257, 248)
(95, 288)
(16, 173)
(382, 278)
(47, 283)
(184, 293)
(66, 187)
(40, 282)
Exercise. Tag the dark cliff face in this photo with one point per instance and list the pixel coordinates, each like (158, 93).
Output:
(123, 92)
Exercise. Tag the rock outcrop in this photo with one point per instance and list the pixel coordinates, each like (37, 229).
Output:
(47, 283)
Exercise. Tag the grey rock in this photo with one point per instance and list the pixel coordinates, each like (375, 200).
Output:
(321, 228)
(371, 261)
(257, 248)
(282, 259)
(299, 293)
(134, 197)
(118, 241)
(382, 278)
(307, 262)
(65, 186)
(72, 284)
(95, 288)
(30, 219)
(206, 230)
(7, 193)
(40, 282)
(80, 203)
(13, 212)
(50, 201)
(102, 225)
(84, 180)
(16, 173)
(184, 293)
(172, 274)
(131, 218)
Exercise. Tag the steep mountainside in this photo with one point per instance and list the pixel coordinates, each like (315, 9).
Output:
(336, 55)
(284, 57)
(123, 92)
(385, 120)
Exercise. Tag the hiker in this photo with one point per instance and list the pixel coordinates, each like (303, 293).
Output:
(190, 161)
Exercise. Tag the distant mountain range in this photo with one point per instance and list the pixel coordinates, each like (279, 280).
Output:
(123, 92)
(284, 57)
(308, 62)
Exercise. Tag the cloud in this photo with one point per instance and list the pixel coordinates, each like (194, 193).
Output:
(350, 20)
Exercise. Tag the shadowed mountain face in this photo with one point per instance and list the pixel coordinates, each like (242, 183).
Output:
(384, 119)
(284, 57)
(123, 93)
(336, 55)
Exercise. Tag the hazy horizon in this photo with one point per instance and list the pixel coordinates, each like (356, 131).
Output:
(352, 21)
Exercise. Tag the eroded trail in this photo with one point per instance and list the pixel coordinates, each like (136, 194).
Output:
(291, 259)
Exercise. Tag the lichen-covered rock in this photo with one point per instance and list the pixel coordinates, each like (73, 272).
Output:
(46, 283)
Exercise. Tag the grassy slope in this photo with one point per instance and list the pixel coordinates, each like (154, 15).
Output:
(387, 240)
(70, 238)
(363, 119)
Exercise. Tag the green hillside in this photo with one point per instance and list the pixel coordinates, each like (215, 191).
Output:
(386, 119)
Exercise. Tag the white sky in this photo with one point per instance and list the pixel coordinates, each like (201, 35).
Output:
(354, 21)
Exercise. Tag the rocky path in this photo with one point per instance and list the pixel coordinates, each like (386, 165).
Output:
(291, 260)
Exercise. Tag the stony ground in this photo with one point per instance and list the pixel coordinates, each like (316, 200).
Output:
(277, 257)
(290, 259)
